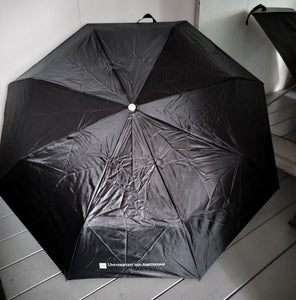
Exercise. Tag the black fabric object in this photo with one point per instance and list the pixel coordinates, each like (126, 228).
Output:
(279, 24)
(136, 150)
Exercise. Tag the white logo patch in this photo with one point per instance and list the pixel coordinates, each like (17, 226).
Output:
(103, 266)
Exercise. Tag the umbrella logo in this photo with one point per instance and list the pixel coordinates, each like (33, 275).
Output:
(103, 266)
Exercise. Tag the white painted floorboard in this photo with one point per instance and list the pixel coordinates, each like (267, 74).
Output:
(10, 226)
(133, 288)
(59, 288)
(244, 269)
(17, 248)
(27, 273)
(4, 209)
(276, 282)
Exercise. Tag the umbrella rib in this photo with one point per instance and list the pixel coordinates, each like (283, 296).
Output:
(91, 97)
(172, 201)
(105, 169)
(190, 134)
(142, 83)
(91, 74)
(46, 167)
(126, 241)
(153, 244)
(183, 267)
(69, 153)
(162, 179)
(160, 53)
(234, 178)
(94, 76)
(189, 246)
(72, 111)
(106, 245)
(158, 238)
(132, 153)
(74, 252)
(111, 63)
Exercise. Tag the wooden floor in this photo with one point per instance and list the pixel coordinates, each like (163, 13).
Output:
(259, 264)
(281, 108)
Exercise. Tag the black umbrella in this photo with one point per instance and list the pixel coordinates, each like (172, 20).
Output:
(136, 150)
(279, 24)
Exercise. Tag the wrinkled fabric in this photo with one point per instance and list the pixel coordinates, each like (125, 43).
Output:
(160, 191)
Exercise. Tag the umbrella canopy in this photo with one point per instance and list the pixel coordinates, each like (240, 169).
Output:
(279, 24)
(136, 150)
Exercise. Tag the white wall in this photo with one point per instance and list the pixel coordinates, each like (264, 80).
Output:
(29, 29)
(224, 23)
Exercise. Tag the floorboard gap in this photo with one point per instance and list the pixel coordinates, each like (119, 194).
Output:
(35, 285)
(21, 259)
(11, 236)
(3, 217)
(259, 272)
(168, 288)
(99, 288)
(265, 221)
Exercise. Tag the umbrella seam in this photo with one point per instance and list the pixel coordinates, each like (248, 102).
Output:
(97, 79)
(190, 134)
(229, 78)
(68, 88)
(105, 244)
(27, 155)
(97, 187)
(160, 53)
(173, 203)
(150, 247)
(154, 243)
(111, 64)
(175, 208)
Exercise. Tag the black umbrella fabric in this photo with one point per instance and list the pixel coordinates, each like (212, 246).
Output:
(136, 150)
(279, 24)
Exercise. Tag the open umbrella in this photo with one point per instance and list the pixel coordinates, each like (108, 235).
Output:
(136, 150)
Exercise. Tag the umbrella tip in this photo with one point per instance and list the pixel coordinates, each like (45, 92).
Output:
(132, 107)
